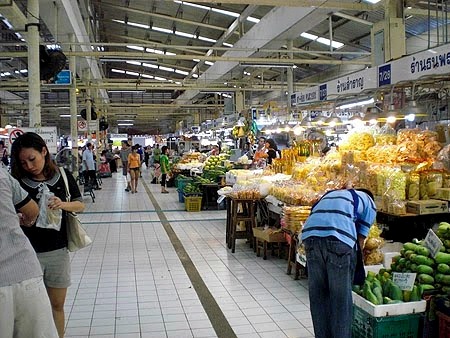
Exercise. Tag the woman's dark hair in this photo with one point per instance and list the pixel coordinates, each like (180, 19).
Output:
(34, 141)
(2, 143)
(163, 149)
(272, 144)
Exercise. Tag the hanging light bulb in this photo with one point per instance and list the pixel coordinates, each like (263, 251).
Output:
(356, 120)
(319, 120)
(391, 116)
(370, 116)
(333, 120)
(306, 122)
(298, 130)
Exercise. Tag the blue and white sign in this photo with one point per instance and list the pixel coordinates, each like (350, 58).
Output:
(352, 83)
(307, 95)
(323, 92)
(64, 77)
(384, 75)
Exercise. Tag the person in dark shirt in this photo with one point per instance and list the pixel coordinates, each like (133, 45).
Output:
(272, 150)
(32, 166)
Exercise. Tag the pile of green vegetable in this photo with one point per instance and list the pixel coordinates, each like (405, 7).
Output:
(194, 187)
(380, 289)
(433, 273)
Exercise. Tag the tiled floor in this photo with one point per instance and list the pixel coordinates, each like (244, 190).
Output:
(132, 281)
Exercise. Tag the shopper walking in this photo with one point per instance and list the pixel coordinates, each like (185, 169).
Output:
(32, 166)
(124, 152)
(89, 167)
(156, 153)
(25, 307)
(164, 162)
(134, 166)
(338, 223)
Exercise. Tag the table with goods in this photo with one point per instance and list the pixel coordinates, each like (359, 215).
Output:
(409, 174)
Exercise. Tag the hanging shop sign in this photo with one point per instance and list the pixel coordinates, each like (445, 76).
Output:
(434, 61)
(48, 134)
(310, 94)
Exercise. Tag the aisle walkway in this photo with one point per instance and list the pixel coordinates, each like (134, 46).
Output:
(157, 271)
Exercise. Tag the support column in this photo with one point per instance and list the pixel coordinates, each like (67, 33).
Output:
(73, 108)
(239, 99)
(34, 85)
(87, 78)
(290, 74)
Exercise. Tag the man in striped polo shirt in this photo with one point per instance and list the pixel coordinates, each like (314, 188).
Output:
(25, 309)
(337, 222)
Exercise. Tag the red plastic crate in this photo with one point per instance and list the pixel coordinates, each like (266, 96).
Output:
(444, 325)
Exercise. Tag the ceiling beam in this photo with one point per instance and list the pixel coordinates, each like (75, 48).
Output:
(162, 16)
(295, 3)
(231, 29)
(150, 56)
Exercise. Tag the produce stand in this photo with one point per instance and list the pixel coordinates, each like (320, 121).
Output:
(403, 228)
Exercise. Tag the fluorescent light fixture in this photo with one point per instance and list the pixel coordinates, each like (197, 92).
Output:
(209, 63)
(227, 44)
(126, 91)
(125, 124)
(196, 60)
(325, 41)
(247, 73)
(137, 63)
(356, 104)
(118, 71)
(23, 70)
(160, 78)
(216, 10)
(125, 120)
(150, 65)
(195, 75)
(182, 72)
(68, 115)
(131, 73)
(203, 38)
(136, 48)
(372, 1)
(139, 25)
(167, 69)
(268, 65)
(186, 35)
(162, 30)
(147, 76)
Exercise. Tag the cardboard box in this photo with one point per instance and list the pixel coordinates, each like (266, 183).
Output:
(388, 309)
(443, 193)
(425, 207)
(270, 237)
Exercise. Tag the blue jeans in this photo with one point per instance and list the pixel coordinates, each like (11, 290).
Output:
(331, 267)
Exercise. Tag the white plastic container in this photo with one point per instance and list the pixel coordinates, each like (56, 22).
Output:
(388, 309)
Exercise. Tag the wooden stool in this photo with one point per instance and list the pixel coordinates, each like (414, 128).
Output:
(274, 246)
(246, 215)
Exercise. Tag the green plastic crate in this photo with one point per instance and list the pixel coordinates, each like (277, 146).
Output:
(366, 326)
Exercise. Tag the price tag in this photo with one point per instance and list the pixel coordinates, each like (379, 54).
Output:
(405, 281)
(432, 242)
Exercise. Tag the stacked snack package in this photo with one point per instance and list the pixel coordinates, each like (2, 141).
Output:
(385, 136)
(294, 217)
(372, 247)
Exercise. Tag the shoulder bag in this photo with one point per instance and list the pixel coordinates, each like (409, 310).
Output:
(77, 237)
